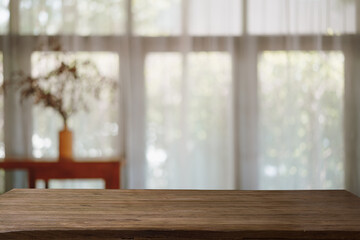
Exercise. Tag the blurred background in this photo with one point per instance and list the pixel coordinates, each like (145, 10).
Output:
(212, 94)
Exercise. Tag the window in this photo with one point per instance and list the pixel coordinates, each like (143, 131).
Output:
(4, 16)
(283, 16)
(204, 17)
(82, 17)
(163, 117)
(101, 120)
(188, 119)
(301, 109)
(213, 17)
(160, 17)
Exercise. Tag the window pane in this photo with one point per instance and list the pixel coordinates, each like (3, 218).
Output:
(301, 16)
(301, 106)
(83, 17)
(95, 132)
(154, 18)
(209, 120)
(188, 129)
(4, 16)
(163, 117)
(214, 17)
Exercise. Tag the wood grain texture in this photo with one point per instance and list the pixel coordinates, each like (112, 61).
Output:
(178, 214)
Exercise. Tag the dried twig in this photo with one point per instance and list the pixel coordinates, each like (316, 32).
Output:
(67, 89)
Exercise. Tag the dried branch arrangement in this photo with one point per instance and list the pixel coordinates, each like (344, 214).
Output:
(68, 88)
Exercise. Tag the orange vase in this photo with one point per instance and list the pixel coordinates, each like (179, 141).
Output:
(65, 145)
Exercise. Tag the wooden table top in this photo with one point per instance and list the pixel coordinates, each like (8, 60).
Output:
(187, 214)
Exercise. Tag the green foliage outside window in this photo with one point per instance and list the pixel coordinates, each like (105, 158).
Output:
(301, 109)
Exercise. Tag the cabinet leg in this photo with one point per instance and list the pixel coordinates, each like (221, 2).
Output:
(31, 178)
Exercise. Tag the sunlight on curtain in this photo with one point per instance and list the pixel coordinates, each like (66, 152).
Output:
(163, 119)
(160, 17)
(4, 16)
(301, 120)
(213, 17)
(82, 17)
(188, 120)
(95, 132)
(301, 17)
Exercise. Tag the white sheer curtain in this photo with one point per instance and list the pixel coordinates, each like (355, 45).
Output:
(214, 94)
